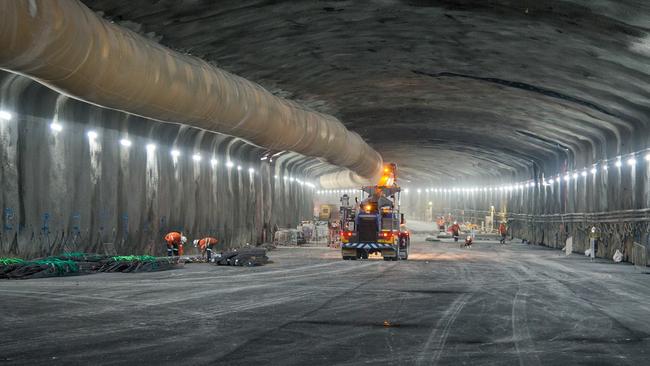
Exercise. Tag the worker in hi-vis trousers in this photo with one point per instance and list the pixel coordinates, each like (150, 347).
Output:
(175, 241)
(205, 246)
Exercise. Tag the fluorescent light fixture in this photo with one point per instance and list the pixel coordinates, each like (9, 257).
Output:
(238, 167)
(92, 135)
(631, 161)
(196, 157)
(584, 173)
(618, 163)
(175, 153)
(151, 147)
(125, 142)
(5, 115)
(56, 127)
(230, 164)
(214, 162)
(551, 181)
(575, 175)
(251, 170)
(593, 170)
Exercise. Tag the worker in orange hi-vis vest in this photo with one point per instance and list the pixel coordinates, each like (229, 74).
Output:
(175, 241)
(205, 246)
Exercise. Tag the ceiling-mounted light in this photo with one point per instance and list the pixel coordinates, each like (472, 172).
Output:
(5, 115)
(584, 173)
(151, 147)
(593, 170)
(419, 190)
(238, 167)
(567, 177)
(56, 127)
(251, 170)
(575, 175)
(196, 157)
(631, 161)
(647, 157)
(230, 164)
(618, 163)
(551, 181)
(175, 153)
(92, 135)
(125, 142)
(214, 162)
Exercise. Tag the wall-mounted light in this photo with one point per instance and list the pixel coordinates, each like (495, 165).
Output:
(567, 177)
(56, 127)
(5, 115)
(618, 163)
(647, 157)
(575, 175)
(551, 181)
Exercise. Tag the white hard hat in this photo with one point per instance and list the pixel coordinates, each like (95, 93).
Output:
(184, 239)
(196, 242)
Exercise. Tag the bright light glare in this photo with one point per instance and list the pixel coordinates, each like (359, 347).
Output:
(584, 173)
(151, 147)
(214, 162)
(647, 157)
(196, 157)
(5, 115)
(251, 170)
(618, 163)
(551, 181)
(575, 175)
(56, 127)
(125, 142)
(593, 170)
(92, 135)
(176, 153)
(631, 161)
(567, 177)
(238, 167)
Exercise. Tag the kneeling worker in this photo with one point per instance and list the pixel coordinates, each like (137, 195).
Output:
(205, 246)
(175, 241)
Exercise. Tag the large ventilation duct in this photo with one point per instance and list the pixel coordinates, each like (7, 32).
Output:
(344, 179)
(65, 46)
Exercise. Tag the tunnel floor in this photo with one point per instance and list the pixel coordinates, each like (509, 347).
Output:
(493, 304)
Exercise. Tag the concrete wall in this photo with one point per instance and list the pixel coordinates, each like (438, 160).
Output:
(615, 201)
(61, 191)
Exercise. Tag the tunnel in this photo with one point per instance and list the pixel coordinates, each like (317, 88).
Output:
(327, 182)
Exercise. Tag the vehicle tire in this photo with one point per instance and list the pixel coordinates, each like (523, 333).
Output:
(388, 259)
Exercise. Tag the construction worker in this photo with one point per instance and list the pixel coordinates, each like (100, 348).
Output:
(175, 241)
(455, 230)
(468, 241)
(205, 246)
(441, 223)
(503, 231)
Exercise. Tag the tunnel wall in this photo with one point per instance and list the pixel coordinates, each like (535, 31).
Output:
(61, 191)
(616, 201)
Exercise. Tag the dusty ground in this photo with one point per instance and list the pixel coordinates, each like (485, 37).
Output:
(489, 305)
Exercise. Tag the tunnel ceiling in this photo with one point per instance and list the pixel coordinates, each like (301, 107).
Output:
(445, 89)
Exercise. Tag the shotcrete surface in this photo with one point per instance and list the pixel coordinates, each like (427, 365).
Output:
(493, 304)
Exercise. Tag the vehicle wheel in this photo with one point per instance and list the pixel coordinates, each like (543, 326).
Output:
(387, 258)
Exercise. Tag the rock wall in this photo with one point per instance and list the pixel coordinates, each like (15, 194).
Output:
(64, 191)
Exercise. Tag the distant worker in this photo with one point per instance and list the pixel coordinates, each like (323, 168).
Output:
(468, 242)
(455, 230)
(205, 246)
(175, 241)
(503, 231)
(441, 223)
